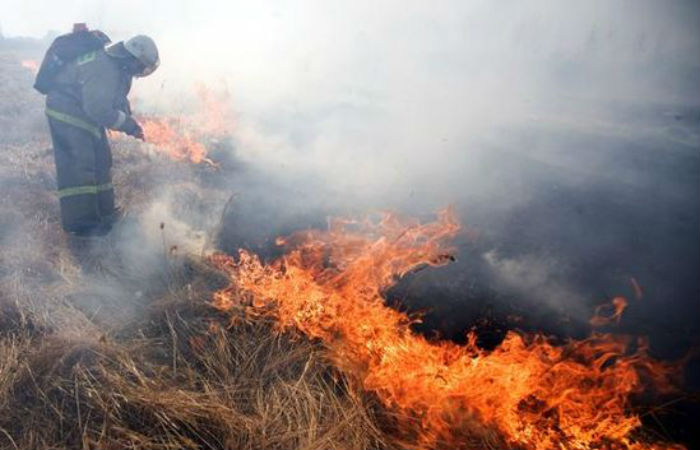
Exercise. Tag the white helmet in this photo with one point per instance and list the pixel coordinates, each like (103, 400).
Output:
(144, 49)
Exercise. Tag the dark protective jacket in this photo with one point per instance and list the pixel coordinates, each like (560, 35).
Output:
(94, 89)
(90, 94)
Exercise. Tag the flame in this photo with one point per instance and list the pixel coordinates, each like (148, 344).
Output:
(536, 394)
(638, 292)
(215, 117)
(184, 137)
(31, 65)
(163, 134)
(619, 305)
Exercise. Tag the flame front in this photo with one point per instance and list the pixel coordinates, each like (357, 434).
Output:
(183, 137)
(537, 395)
(163, 134)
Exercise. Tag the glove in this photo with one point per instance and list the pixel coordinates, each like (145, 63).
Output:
(132, 128)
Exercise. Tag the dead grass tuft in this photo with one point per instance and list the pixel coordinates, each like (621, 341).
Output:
(179, 379)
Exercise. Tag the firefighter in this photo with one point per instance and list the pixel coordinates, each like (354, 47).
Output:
(88, 95)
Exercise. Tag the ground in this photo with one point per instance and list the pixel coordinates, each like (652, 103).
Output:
(113, 344)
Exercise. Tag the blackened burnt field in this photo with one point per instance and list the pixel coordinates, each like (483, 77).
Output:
(580, 217)
(601, 216)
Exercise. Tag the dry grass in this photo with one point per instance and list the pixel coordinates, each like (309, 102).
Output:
(179, 380)
(94, 354)
(112, 344)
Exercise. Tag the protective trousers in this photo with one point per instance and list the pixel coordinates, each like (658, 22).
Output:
(83, 162)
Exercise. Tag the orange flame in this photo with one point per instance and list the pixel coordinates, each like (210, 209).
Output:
(215, 117)
(537, 395)
(599, 319)
(30, 64)
(183, 137)
(163, 135)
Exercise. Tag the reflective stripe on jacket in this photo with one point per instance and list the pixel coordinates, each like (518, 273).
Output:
(82, 190)
(75, 121)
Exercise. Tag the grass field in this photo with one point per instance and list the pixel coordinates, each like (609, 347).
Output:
(113, 343)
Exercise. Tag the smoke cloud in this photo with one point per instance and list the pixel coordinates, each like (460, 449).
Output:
(562, 131)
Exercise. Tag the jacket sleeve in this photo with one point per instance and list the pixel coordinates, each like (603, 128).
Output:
(100, 91)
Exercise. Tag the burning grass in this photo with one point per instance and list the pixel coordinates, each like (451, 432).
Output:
(102, 350)
(179, 380)
(99, 350)
(535, 394)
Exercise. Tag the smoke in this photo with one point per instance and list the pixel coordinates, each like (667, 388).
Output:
(538, 279)
(561, 131)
